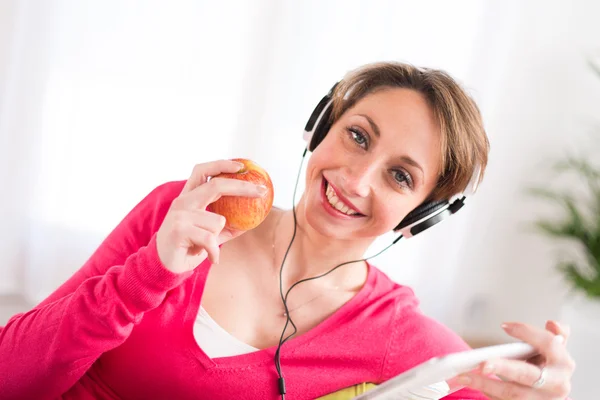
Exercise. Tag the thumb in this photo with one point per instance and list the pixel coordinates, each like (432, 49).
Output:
(558, 329)
(228, 234)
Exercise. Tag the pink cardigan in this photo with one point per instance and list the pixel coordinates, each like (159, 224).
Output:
(122, 328)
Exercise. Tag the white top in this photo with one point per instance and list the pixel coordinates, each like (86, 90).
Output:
(216, 341)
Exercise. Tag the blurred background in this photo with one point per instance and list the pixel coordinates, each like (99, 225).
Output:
(101, 101)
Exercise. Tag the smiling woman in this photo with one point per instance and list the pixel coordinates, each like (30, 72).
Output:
(148, 316)
(381, 158)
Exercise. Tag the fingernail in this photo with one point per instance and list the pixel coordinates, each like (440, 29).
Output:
(559, 326)
(488, 368)
(242, 166)
(556, 324)
(262, 189)
(463, 380)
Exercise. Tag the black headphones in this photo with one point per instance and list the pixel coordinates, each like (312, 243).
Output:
(424, 216)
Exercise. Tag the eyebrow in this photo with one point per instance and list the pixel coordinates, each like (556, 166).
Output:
(408, 160)
(412, 162)
(372, 123)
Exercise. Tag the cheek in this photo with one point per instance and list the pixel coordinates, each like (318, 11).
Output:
(312, 168)
(388, 213)
(391, 211)
(323, 157)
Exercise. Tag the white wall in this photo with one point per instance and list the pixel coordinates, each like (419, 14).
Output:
(101, 101)
(541, 106)
(23, 72)
(8, 240)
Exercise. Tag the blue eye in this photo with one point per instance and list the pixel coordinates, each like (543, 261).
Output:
(358, 137)
(402, 178)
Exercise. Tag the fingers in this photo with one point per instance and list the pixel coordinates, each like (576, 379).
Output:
(228, 234)
(206, 220)
(537, 360)
(197, 230)
(524, 373)
(550, 345)
(202, 172)
(558, 363)
(498, 389)
(200, 239)
(214, 223)
(203, 195)
(559, 329)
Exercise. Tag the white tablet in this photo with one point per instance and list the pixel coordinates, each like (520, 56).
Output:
(433, 379)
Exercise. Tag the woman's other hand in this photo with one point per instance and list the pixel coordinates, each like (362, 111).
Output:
(546, 376)
(189, 233)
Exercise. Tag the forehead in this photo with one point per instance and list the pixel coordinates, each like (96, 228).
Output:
(400, 109)
(407, 123)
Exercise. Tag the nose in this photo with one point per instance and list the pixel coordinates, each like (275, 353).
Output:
(359, 178)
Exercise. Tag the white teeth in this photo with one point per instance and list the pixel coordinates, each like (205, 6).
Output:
(337, 203)
(330, 193)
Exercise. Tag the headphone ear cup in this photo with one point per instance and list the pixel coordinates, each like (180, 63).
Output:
(321, 129)
(421, 212)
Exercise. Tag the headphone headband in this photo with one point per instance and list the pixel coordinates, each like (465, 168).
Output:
(319, 122)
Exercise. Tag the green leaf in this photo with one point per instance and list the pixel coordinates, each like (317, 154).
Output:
(593, 263)
(585, 169)
(574, 223)
(571, 272)
(554, 229)
(580, 220)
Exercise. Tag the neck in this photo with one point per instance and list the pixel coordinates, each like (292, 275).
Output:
(313, 254)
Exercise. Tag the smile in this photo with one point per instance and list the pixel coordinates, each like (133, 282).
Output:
(338, 204)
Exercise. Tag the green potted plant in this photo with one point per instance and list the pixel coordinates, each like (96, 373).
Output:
(578, 224)
(580, 221)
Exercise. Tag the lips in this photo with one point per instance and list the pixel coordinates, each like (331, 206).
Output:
(338, 202)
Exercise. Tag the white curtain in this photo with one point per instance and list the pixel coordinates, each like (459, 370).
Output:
(101, 101)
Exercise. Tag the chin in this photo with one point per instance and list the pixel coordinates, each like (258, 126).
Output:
(323, 228)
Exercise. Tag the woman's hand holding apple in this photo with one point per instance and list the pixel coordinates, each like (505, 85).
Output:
(190, 231)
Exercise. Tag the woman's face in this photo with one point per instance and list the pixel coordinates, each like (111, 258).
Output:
(378, 162)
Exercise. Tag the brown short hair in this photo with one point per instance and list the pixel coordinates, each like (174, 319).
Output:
(465, 145)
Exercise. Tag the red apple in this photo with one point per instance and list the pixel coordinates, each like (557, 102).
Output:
(245, 213)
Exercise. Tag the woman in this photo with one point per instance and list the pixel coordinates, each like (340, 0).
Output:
(173, 305)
